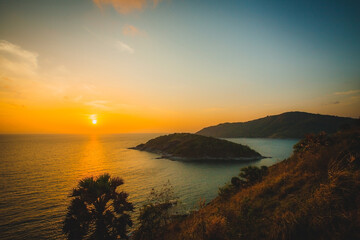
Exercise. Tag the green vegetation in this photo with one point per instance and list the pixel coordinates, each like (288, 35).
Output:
(285, 125)
(248, 177)
(186, 146)
(156, 213)
(314, 194)
(97, 210)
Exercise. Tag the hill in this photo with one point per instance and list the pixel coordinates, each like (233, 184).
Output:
(285, 125)
(314, 194)
(186, 146)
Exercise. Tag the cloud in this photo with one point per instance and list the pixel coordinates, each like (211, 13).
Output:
(78, 98)
(126, 6)
(122, 47)
(350, 92)
(130, 30)
(93, 116)
(89, 88)
(100, 104)
(156, 2)
(119, 45)
(15, 60)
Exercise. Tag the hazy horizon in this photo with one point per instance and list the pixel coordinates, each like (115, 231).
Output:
(124, 133)
(153, 66)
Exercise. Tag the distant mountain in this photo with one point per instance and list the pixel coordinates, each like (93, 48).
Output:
(285, 125)
(186, 146)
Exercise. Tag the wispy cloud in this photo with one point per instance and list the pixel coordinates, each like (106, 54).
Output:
(130, 30)
(93, 116)
(16, 60)
(100, 104)
(127, 6)
(78, 98)
(88, 87)
(123, 47)
(119, 45)
(20, 76)
(350, 92)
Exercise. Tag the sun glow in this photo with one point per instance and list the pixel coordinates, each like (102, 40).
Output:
(94, 121)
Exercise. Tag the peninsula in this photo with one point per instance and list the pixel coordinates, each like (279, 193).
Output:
(187, 147)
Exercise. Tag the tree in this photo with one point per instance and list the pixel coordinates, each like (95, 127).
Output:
(97, 210)
(251, 175)
(236, 182)
(156, 213)
(248, 176)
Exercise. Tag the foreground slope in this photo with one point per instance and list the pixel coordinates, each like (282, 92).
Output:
(186, 146)
(315, 194)
(285, 125)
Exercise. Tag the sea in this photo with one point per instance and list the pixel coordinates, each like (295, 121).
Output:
(38, 172)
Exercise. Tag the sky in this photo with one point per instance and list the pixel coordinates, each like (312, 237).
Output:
(139, 66)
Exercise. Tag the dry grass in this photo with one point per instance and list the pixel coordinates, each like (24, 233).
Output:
(315, 194)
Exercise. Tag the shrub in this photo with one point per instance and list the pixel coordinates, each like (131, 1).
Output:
(251, 175)
(236, 182)
(312, 142)
(156, 213)
(226, 191)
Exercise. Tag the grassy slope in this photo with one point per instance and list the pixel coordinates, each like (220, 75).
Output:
(286, 125)
(196, 146)
(315, 194)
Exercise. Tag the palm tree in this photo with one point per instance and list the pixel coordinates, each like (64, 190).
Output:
(97, 210)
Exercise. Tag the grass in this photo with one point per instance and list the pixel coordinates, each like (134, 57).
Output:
(314, 194)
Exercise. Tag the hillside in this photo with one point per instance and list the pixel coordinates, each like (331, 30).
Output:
(285, 125)
(186, 146)
(314, 194)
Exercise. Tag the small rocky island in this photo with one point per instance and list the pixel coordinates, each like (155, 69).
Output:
(193, 147)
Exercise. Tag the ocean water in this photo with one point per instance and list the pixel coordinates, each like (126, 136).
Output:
(37, 173)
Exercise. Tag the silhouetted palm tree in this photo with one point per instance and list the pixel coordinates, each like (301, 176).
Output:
(97, 210)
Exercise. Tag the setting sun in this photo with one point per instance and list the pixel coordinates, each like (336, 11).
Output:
(94, 121)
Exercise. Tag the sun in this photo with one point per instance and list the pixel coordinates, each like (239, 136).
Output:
(94, 121)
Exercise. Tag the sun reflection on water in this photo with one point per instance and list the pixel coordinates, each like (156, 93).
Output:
(92, 158)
